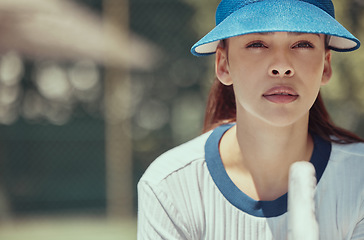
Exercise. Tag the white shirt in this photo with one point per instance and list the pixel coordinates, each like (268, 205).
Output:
(187, 194)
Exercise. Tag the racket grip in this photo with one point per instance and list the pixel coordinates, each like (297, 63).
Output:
(302, 223)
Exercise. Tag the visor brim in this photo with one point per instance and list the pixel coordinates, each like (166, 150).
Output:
(278, 16)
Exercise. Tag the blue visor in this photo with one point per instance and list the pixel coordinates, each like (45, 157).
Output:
(236, 18)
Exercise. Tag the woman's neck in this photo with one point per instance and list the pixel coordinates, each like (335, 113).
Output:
(257, 156)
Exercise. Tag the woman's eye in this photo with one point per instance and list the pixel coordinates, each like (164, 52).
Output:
(303, 45)
(256, 45)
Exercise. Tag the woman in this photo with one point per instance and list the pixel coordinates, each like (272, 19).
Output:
(265, 113)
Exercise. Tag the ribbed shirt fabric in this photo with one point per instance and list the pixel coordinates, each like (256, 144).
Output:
(187, 194)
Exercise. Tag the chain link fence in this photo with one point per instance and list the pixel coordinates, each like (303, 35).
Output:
(53, 141)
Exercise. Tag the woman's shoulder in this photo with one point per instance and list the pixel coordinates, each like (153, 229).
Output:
(177, 159)
(347, 161)
(352, 150)
(340, 191)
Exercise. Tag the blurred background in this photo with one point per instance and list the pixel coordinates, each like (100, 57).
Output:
(92, 91)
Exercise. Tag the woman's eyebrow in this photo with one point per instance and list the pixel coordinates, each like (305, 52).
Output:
(302, 33)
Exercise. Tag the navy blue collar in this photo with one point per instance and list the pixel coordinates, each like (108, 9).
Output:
(319, 159)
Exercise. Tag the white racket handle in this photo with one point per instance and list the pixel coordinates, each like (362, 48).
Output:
(302, 223)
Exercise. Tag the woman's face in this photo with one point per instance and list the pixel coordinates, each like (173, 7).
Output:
(276, 76)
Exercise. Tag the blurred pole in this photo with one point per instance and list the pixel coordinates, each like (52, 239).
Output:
(118, 126)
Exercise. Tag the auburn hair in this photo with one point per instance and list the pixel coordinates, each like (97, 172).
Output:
(221, 109)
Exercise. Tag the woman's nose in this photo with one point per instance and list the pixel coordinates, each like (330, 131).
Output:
(281, 65)
(281, 72)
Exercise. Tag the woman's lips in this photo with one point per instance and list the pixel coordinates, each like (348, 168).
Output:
(281, 94)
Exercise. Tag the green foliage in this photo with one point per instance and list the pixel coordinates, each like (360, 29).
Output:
(344, 95)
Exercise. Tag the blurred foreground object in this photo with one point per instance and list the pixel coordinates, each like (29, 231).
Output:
(63, 30)
(302, 223)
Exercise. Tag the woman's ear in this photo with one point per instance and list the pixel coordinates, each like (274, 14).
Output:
(222, 66)
(326, 76)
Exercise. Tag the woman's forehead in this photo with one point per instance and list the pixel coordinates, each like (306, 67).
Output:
(264, 35)
(283, 33)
